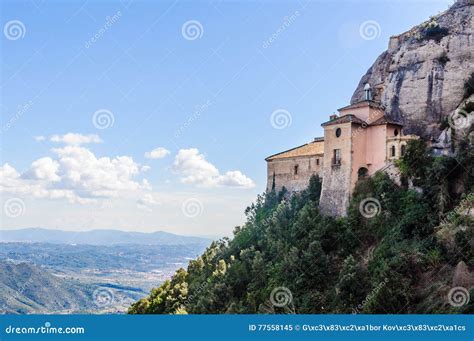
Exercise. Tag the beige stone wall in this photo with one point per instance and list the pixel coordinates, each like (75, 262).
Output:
(359, 150)
(397, 142)
(376, 154)
(336, 178)
(284, 170)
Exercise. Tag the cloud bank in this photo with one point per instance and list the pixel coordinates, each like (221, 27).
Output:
(195, 169)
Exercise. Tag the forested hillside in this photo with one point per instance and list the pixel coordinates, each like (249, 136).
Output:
(401, 249)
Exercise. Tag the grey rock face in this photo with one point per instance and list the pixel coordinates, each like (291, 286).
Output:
(420, 78)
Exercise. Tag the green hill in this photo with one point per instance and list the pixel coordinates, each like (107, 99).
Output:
(403, 252)
(26, 288)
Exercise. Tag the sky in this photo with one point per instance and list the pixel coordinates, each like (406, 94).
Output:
(158, 115)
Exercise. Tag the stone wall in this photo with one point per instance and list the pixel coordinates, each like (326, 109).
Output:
(284, 170)
(336, 187)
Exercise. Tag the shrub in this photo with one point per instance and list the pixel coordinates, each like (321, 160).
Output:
(435, 33)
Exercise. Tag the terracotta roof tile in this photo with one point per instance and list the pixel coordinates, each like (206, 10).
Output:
(344, 119)
(363, 103)
(384, 120)
(309, 149)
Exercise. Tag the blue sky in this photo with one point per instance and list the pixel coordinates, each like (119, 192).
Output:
(198, 79)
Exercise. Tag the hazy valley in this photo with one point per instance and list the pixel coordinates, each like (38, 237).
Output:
(69, 275)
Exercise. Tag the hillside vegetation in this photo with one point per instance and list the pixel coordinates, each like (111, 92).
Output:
(400, 249)
(26, 288)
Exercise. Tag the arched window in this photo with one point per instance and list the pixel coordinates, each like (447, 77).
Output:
(392, 151)
(296, 169)
(362, 172)
(403, 150)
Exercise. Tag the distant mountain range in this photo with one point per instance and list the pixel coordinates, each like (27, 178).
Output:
(98, 237)
(55, 271)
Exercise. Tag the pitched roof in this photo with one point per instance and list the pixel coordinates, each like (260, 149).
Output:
(354, 119)
(313, 148)
(363, 103)
(385, 120)
(344, 119)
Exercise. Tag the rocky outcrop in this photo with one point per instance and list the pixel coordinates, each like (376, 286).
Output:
(421, 77)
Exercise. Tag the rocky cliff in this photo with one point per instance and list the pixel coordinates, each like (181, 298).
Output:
(422, 77)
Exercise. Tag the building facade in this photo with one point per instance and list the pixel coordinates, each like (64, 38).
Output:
(293, 168)
(358, 142)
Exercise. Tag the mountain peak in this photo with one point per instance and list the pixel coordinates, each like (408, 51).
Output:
(420, 78)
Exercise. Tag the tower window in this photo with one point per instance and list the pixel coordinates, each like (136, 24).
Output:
(392, 151)
(296, 169)
(402, 150)
(338, 132)
(395, 133)
(336, 159)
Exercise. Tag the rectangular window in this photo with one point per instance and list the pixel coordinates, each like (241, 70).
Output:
(336, 159)
(317, 162)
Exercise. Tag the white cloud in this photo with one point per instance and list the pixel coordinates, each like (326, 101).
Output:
(75, 139)
(195, 169)
(76, 174)
(147, 201)
(235, 179)
(157, 153)
(40, 138)
(43, 169)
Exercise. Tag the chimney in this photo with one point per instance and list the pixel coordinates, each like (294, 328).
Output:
(332, 117)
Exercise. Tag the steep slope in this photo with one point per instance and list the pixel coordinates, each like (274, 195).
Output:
(421, 77)
(397, 251)
(26, 288)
